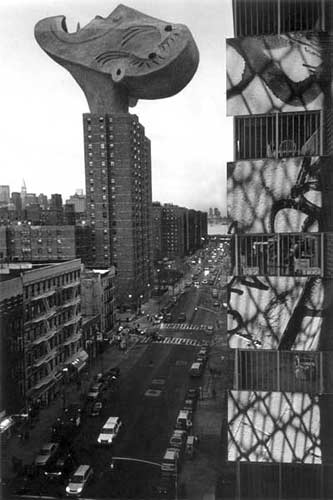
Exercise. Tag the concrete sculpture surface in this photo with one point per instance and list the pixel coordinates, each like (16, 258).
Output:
(122, 58)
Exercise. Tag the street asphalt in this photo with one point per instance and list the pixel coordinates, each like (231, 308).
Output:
(199, 474)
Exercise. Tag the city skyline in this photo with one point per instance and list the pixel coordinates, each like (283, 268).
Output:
(188, 155)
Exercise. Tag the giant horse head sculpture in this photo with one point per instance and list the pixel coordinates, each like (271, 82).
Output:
(123, 57)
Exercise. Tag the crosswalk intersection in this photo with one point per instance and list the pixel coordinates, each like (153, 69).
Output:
(172, 340)
(182, 326)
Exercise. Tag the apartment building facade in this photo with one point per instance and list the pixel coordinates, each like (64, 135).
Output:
(119, 200)
(280, 291)
(41, 332)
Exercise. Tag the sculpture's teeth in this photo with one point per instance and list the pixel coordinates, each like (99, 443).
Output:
(78, 27)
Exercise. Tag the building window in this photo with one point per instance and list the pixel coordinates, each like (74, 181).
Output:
(278, 135)
(259, 17)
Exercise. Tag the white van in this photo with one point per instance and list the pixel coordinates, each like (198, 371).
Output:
(80, 478)
(109, 431)
(169, 464)
(184, 420)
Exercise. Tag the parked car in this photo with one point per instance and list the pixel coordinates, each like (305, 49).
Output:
(193, 393)
(166, 487)
(170, 462)
(96, 409)
(178, 440)
(190, 404)
(46, 454)
(190, 446)
(80, 478)
(184, 420)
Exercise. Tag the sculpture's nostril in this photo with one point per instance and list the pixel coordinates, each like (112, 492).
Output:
(168, 27)
(152, 55)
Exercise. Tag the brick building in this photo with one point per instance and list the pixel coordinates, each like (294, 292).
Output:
(41, 331)
(118, 187)
(29, 243)
(177, 231)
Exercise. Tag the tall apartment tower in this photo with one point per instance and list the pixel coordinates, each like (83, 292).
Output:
(119, 200)
(280, 293)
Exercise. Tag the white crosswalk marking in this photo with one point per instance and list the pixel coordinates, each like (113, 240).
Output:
(182, 326)
(172, 340)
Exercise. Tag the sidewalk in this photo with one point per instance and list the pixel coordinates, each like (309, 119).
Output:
(26, 450)
(200, 474)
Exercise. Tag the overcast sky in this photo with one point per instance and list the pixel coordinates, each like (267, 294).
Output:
(42, 106)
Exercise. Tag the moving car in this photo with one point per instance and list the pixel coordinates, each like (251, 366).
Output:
(182, 317)
(109, 431)
(210, 329)
(203, 353)
(82, 475)
(196, 369)
(96, 409)
(46, 453)
(94, 391)
(61, 468)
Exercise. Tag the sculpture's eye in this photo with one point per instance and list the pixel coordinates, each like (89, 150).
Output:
(152, 55)
(168, 27)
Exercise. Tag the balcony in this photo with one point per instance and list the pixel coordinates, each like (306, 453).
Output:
(73, 338)
(72, 321)
(44, 295)
(44, 316)
(71, 302)
(46, 357)
(280, 254)
(70, 285)
(44, 337)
